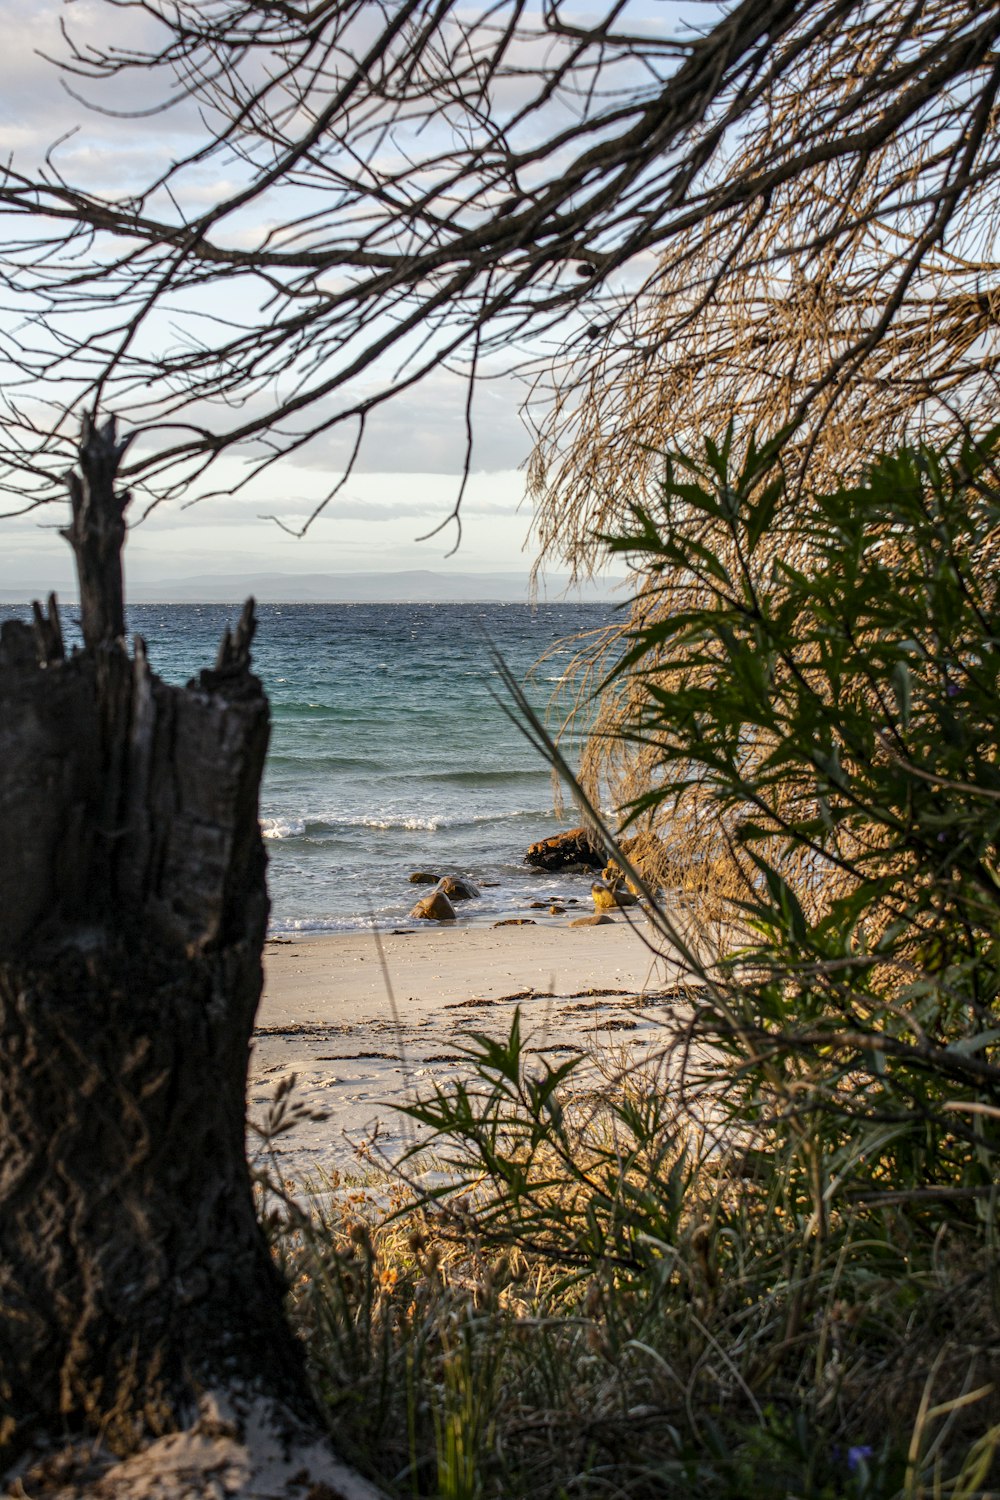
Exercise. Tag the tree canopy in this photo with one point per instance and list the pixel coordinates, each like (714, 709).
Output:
(847, 291)
(754, 203)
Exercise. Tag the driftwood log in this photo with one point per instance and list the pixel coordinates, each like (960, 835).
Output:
(133, 1275)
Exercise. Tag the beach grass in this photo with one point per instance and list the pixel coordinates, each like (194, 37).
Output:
(678, 1327)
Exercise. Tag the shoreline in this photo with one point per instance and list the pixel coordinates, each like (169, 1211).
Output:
(509, 889)
(363, 1031)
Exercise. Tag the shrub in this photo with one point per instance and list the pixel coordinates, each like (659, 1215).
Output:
(765, 1262)
(842, 716)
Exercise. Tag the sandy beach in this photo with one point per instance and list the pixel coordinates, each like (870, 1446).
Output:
(363, 1029)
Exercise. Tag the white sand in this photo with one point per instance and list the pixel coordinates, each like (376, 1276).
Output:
(361, 1034)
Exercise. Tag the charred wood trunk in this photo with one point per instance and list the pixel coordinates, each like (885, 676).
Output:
(133, 1274)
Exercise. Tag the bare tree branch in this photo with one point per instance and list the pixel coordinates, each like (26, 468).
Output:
(416, 184)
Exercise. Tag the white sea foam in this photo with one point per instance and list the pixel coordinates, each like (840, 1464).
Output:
(349, 923)
(387, 821)
(429, 822)
(281, 828)
(410, 824)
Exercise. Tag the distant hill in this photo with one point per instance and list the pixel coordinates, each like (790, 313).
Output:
(418, 586)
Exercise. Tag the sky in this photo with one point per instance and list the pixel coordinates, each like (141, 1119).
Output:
(409, 475)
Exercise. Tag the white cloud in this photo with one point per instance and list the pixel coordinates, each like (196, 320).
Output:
(422, 430)
(374, 527)
(407, 476)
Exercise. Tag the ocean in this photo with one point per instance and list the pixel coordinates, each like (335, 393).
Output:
(388, 752)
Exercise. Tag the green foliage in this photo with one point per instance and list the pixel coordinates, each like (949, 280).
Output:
(616, 1205)
(843, 714)
(764, 1263)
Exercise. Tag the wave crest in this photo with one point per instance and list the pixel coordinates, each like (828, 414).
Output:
(387, 822)
(281, 828)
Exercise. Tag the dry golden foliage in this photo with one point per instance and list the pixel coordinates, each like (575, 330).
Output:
(845, 279)
(844, 283)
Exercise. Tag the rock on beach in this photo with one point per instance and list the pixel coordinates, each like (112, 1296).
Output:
(434, 908)
(572, 850)
(606, 896)
(457, 888)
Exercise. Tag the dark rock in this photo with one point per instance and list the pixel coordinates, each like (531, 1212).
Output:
(424, 877)
(516, 922)
(599, 919)
(572, 850)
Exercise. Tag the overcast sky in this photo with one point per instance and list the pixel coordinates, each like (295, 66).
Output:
(408, 477)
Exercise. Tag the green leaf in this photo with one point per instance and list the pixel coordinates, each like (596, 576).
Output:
(784, 898)
(902, 685)
(759, 517)
(966, 1046)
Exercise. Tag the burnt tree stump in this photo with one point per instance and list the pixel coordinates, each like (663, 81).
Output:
(133, 1273)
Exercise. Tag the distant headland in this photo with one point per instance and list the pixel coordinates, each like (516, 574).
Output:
(416, 586)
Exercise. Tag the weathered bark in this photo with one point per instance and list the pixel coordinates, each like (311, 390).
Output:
(133, 1275)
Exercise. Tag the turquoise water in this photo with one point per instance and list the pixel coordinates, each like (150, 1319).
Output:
(388, 753)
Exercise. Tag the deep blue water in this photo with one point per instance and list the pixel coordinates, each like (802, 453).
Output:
(388, 753)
